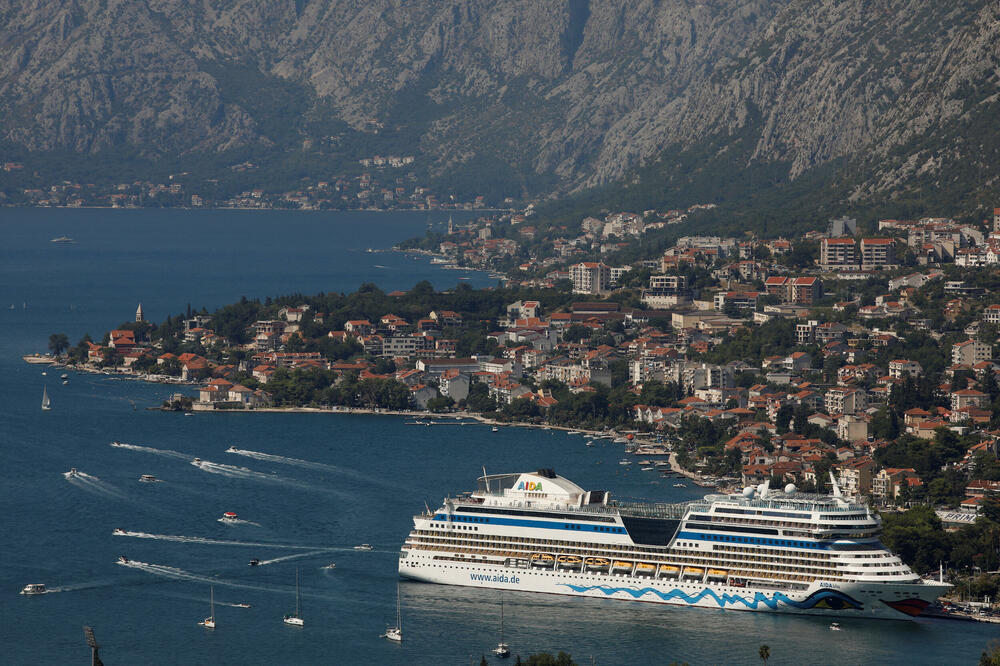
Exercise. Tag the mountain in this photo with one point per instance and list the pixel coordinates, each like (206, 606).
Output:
(523, 97)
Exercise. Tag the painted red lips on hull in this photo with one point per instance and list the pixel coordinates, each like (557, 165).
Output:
(911, 607)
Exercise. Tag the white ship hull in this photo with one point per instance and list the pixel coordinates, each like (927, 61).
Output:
(859, 600)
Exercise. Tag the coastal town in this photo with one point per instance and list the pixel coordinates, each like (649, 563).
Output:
(871, 357)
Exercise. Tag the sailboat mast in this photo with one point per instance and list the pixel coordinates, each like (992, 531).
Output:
(211, 597)
(296, 591)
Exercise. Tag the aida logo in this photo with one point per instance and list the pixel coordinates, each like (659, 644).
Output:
(530, 485)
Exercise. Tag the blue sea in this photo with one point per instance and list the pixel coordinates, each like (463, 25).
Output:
(306, 487)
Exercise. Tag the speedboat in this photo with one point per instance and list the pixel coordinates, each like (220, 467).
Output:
(228, 517)
(834, 626)
(331, 565)
(496, 429)
(243, 605)
(680, 485)
(34, 588)
(119, 532)
(196, 460)
(364, 546)
(64, 376)
(254, 562)
(232, 449)
(72, 472)
(148, 478)
(122, 559)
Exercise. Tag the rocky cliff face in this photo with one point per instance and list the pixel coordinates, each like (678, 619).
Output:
(578, 89)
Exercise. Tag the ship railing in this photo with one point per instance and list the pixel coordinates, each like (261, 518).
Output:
(795, 503)
(616, 507)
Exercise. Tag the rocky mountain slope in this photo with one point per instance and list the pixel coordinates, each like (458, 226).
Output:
(562, 94)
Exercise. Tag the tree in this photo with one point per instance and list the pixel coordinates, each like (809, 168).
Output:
(58, 343)
(765, 653)
(991, 655)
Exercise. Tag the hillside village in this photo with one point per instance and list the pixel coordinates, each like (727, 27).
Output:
(871, 356)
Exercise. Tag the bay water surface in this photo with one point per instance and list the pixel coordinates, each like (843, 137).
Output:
(306, 487)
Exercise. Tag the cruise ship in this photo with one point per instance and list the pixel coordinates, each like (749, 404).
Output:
(760, 550)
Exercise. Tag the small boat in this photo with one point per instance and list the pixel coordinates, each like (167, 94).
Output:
(71, 473)
(718, 573)
(254, 562)
(395, 633)
(61, 239)
(597, 563)
(502, 650)
(64, 376)
(680, 485)
(668, 570)
(196, 460)
(693, 572)
(542, 560)
(645, 569)
(122, 559)
(148, 478)
(834, 626)
(209, 622)
(232, 449)
(621, 566)
(228, 517)
(496, 429)
(242, 605)
(296, 617)
(648, 469)
(364, 546)
(590, 443)
(331, 565)
(46, 403)
(65, 381)
(119, 532)
(569, 561)
(34, 588)
(624, 462)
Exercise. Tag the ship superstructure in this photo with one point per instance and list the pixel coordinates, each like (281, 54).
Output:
(764, 550)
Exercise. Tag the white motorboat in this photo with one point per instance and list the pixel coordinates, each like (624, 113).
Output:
(680, 485)
(295, 618)
(119, 532)
(232, 449)
(834, 626)
(34, 588)
(331, 565)
(243, 605)
(228, 517)
(148, 478)
(122, 559)
(364, 546)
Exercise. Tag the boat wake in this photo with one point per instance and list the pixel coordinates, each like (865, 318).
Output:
(92, 484)
(234, 472)
(308, 464)
(148, 449)
(174, 573)
(237, 521)
(80, 586)
(293, 557)
(208, 542)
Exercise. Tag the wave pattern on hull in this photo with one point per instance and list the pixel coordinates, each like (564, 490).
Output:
(829, 599)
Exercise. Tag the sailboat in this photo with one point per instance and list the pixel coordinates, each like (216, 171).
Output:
(296, 617)
(209, 622)
(502, 649)
(395, 633)
(46, 403)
